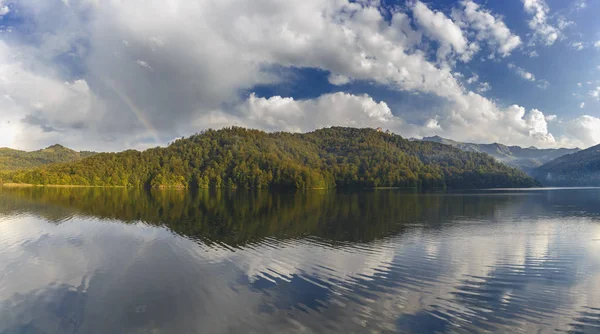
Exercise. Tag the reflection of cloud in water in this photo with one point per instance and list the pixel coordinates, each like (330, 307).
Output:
(497, 272)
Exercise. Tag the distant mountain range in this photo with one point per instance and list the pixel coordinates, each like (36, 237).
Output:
(526, 159)
(11, 159)
(578, 169)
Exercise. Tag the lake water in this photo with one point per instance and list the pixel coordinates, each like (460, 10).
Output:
(129, 261)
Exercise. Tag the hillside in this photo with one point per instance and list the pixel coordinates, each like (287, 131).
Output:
(578, 169)
(242, 158)
(11, 160)
(525, 159)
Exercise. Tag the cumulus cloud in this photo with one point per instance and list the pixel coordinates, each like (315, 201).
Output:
(489, 28)
(143, 72)
(439, 27)
(551, 118)
(287, 114)
(473, 118)
(584, 130)
(539, 9)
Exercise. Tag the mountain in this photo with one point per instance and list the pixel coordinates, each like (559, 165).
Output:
(525, 159)
(326, 158)
(11, 160)
(578, 169)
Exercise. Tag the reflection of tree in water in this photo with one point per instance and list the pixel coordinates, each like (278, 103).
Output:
(239, 217)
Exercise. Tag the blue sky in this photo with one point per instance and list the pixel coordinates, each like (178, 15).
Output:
(111, 75)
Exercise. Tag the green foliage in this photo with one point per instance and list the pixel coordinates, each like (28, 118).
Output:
(242, 158)
(11, 160)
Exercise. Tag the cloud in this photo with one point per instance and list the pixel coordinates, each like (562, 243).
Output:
(524, 74)
(543, 84)
(597, 44)
(473, 118)
(187, 66)
(473, 79)
(595, 93)
(484, 87)
(439, 27)
(585, 130)
(538, 23)
(579, 5)
(144, 64)
(287, 114)
(582, 105)
(338, 80)
(489, 28)
(551, 118)
(577, 46)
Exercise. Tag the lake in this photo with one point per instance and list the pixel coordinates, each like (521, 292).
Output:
(126, 261)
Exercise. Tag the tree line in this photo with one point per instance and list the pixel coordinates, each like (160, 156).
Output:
(243, 158)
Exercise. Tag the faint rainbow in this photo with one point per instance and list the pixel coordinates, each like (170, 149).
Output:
(134, 109)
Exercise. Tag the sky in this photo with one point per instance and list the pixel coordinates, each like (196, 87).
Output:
(108, 75)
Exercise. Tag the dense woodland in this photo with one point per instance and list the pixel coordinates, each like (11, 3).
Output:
(11, 160)
(242, 158)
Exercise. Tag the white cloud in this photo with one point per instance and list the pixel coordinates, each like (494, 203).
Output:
(4, 9)
(489, 28)
(551, 118)
(543, 84)
(144, 64)
(579, 84)
(287, 114)
(533, 54)
(584, 130)
(484, 87)
(597, 44)
(439, 27)
(595, 93)
(538, 23)
(577, 46)
(206, 55)
(473, 118)
(524, 74)
(473, 79)
(579, 5)
(582, 105)
(338, 80)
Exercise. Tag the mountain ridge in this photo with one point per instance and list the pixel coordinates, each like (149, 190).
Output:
(578, 169)
(525, 159)
(244, 158)
(13, 159)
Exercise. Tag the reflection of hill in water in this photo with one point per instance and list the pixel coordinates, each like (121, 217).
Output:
(240, 217)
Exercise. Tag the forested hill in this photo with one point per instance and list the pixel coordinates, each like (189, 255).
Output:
(11, 160)
(524, 158)
(579, 169)
(242, 158)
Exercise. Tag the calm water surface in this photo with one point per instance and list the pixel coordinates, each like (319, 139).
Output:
(124, 261)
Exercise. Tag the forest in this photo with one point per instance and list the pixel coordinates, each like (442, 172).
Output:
(244, 158)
